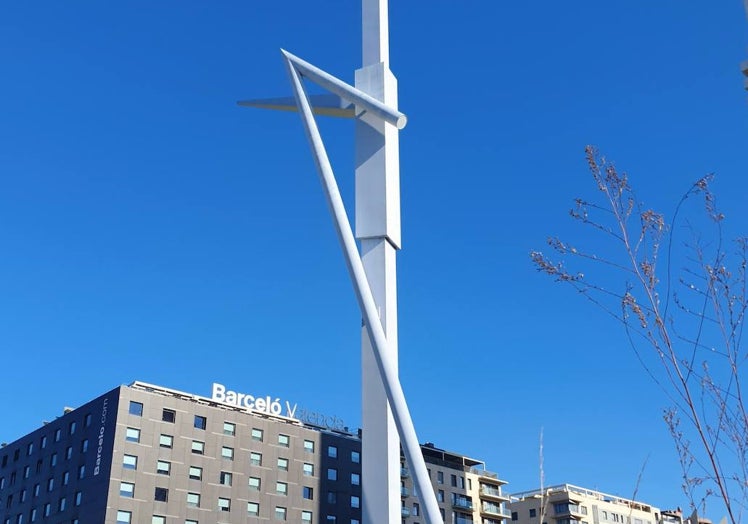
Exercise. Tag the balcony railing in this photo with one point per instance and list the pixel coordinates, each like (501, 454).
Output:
(405, 512)
(404, 492)
(463, 504)
(495, 493)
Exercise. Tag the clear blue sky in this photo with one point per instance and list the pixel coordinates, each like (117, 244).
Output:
(152, 230)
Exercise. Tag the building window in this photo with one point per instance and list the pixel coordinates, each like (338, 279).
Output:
(225, 478)
(308, 469)
(227, 452)
(50, 484)
(440, 477)
(283, 464)
(533, 512)
(255, 458)
(355, 457)
(124, 517)
(332, 451)
(190, 521)
(72, 427)
(158, 519)
(224, 504)
(126, 489)
(308, 493)
(161, 495)
(440, 495)
(281, 488)
(69, 453)
(332, 474)
(198, 447)
(47, 509)
(53, 460)
(309, 446)
(306, 516)
(87, 420)
(201, 422)
(254, 483)
(515, 515)
(355, 501)
(280, 513)
(81, 471)
(36, 490)
(26, 472)
(284, 440)
(229, 428)
(196, 473)
(257, 434)
(66, 478)
(29, 448)
(453, 481)
(193, 500)
(132, 435)
(355, 479)
(78, 498)
(416, 509)
(136, 408)
(169, 415)
(332, 497)
(163, 467)
(166, 441)
(43, 443)
(331, 519)
(84, 445)
(253, 509)
(130, 462)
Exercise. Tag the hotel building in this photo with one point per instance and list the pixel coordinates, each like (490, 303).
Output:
(148, 454)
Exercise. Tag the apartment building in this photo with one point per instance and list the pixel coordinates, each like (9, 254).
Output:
(148, 454)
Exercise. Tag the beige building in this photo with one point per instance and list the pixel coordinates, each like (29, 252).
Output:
(568, 504)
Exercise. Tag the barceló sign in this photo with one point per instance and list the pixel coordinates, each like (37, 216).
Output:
(267, 404)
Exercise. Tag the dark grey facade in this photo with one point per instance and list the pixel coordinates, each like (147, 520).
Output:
(147, 454)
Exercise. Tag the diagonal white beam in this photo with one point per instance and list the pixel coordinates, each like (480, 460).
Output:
(346, 91)
(387, 372)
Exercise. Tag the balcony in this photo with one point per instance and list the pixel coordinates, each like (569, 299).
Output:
(463, 504)
(405, 512)
(404, 492)
(569, 510)
(494, 510)
(489, 475)
(492, 492)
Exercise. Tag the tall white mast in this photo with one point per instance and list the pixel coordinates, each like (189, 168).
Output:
(378, 232)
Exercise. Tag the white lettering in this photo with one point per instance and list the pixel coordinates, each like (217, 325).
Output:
(267, 405)
(219, 392)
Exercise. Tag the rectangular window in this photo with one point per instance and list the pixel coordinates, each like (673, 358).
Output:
(533, 512)
(136, 408)
(124, 517)
(53, 460)
(84, 445)
(416, 509)
(158, 519)
(227, 452)
(284, 440)
(81, 471)
(280, 513)
(50, 484)
(72, 427)
(308, 469)
(355, 479)
(440, 477)
(201, 422)
(193, 500)
(229, 428)
(78, 498)
(255, 458)
(196, 473)
(163, 467)
(281, 488)
(355, 457)
(29, 448)
(130, 462)
(309, 446)
(355, 501)
(58, 435)
(257, 434)
(332, 451)
(66, 478)
(43, 443)
(87, 420)
(132, 435)
(253, 509)
(254, 483)
(306, 516)
(283, 464)
(169, 415)
(225, 478)
(308, 493)
(332, 497)
(198, 447)
(224, 504)
(332, 474)
(126, 489)
(440, 495)
(453, 481)
(161, 495)
(69, 452)
(166, 441)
